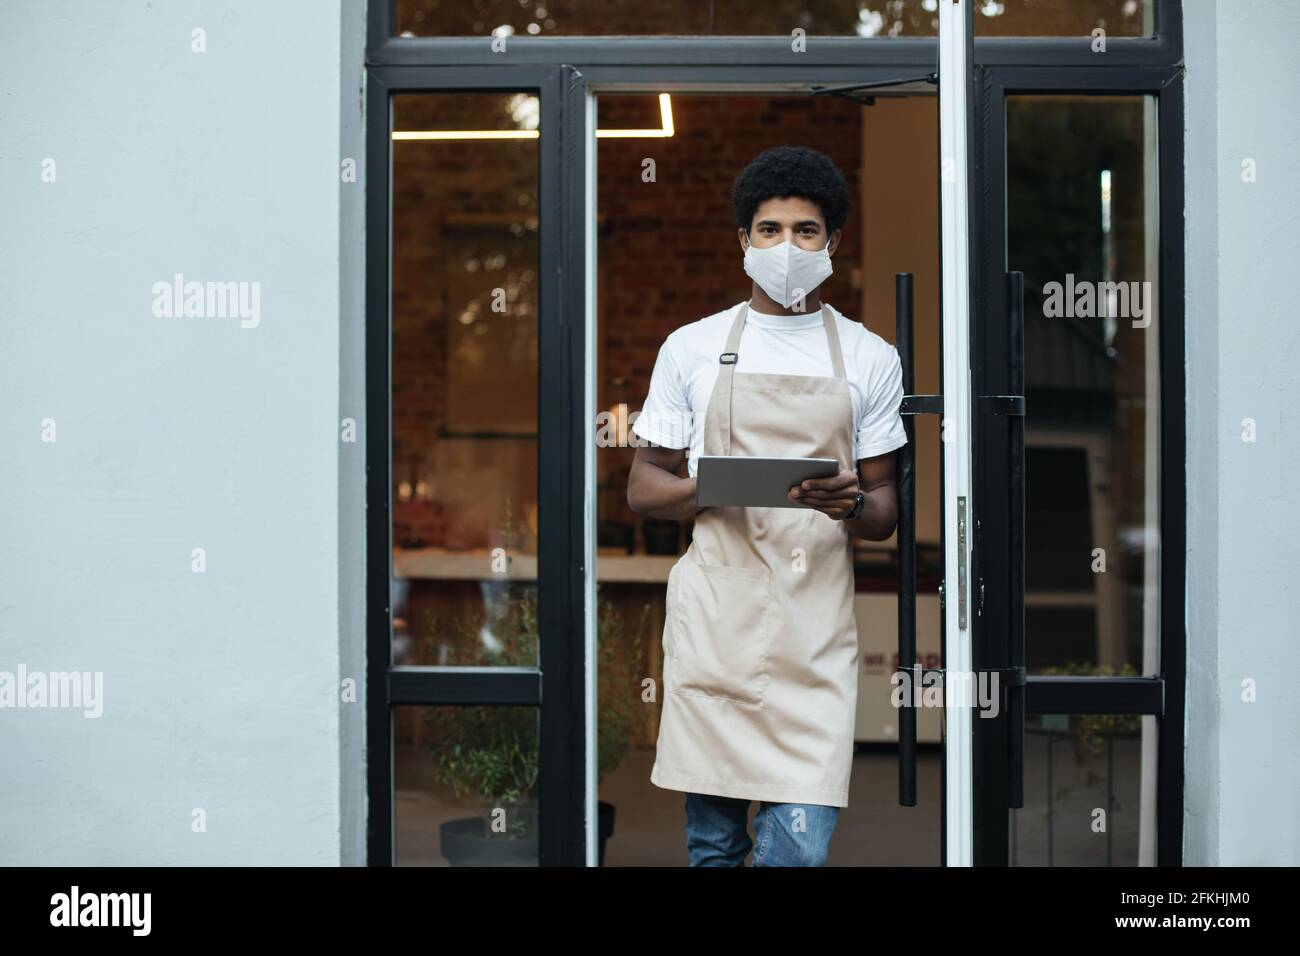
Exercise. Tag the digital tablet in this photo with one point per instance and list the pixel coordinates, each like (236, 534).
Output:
(746, 482)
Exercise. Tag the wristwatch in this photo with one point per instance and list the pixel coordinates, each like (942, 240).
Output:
(857, 507)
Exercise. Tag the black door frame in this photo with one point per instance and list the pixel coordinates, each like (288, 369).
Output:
(561, 531)
(558, 69)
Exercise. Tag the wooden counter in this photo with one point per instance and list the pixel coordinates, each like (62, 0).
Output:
(445, 565)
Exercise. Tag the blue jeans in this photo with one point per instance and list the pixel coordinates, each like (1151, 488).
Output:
(789, 834)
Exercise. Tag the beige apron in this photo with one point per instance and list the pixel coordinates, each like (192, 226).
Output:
(760, 644)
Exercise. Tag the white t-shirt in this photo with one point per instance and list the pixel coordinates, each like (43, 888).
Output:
(687, 368)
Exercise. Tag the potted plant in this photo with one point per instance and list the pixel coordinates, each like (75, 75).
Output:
(1093, 729)
(489, 754)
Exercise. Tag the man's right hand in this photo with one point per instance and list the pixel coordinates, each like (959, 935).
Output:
(654, 487)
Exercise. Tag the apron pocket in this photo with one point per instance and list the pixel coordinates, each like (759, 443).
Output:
(720, 622)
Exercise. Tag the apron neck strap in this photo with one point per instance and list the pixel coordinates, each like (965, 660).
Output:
(833, 341)
(730, 355)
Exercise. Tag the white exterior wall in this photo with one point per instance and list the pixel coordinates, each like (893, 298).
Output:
(1243, 344)
(220, 689)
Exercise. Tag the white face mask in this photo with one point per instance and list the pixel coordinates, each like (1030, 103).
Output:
(786, 272)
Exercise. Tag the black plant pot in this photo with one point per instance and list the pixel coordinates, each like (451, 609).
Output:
(467, 842)
(605, 827)
(616, 534)
(661, 536)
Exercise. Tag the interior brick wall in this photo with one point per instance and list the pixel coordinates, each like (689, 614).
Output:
(668, 254)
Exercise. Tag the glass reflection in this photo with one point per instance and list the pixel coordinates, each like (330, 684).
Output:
(861, 18)
(464, 374)
(1089, 792)
(465, 786)
(1082, 226)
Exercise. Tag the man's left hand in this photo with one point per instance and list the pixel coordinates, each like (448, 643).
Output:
(831, 496)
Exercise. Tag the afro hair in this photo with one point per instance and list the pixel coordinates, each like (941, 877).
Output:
(791, 171)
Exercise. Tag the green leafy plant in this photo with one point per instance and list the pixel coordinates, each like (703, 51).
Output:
(1095, 729)
(490, 754)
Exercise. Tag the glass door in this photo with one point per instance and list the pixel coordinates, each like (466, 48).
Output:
(476, 501)
(1079, 450)
(489, 369)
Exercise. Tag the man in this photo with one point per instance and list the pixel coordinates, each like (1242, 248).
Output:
(760, 644)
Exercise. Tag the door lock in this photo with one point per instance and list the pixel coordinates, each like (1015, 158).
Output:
(961, 562)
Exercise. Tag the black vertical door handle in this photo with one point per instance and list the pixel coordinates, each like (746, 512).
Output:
(906, 552)
(1015, 291)
(907, 669)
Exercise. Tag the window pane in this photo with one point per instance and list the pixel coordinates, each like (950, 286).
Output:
(864, 18)
(1082, 226)
(464, 372)
(1090, 792)
(465, 786)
